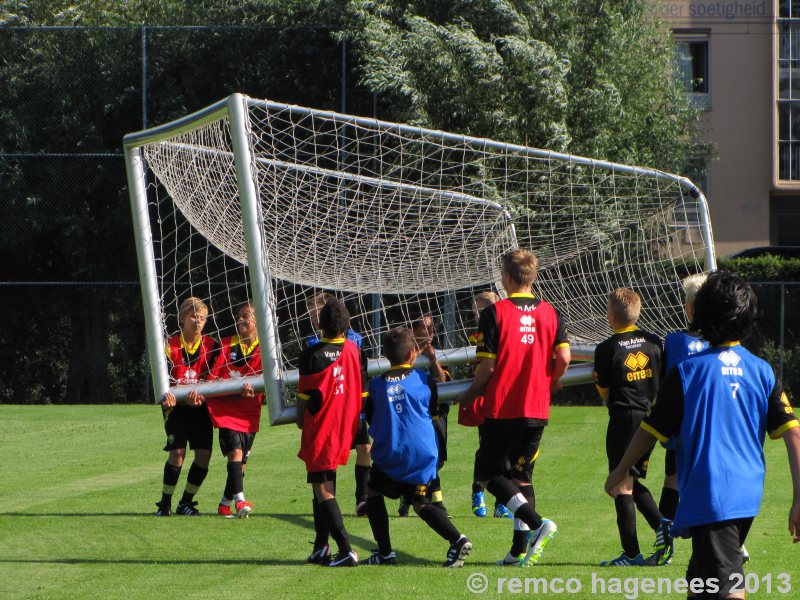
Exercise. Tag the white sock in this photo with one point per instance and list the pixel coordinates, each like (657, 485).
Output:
(515, 502)
(520, 525)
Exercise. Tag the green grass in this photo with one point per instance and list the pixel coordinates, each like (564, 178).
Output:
(78, 486)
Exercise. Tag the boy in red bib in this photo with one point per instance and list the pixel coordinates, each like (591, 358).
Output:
(469, 415)
(237, 416)
(329, 402)
(523, 351)
(191, 355)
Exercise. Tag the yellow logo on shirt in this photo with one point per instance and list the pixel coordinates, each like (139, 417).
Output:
(637, 364)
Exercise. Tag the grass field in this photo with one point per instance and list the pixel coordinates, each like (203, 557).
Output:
(79, 485)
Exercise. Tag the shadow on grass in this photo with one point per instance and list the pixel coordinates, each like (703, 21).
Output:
(303, 521)
(149, 561)
(402, 558)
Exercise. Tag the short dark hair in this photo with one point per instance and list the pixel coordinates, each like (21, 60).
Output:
(397, 344)
(334, 318)
(724, 308)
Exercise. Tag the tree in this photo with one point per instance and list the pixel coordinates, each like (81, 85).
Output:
(590, 77)
(68, 96)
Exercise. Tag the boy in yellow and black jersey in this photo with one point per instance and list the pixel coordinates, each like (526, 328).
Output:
(627, 367)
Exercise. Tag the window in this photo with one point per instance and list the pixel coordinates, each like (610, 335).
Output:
(691, 59)
(789, 90)
(785, 220)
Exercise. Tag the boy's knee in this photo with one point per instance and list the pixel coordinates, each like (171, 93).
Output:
(420, 507)
(202, 458)
(176, 457)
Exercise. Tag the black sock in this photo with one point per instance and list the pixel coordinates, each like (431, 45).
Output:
(646, 505)
(379, 523)
(228, 493)
(669, 503)
(330, 509)
(477, 486)
(519, 542)
(502, 488)
(235, 478)
(320, 525)
(362, 477)
(527, 515)
(530, 495)
(626, 523)
(194, 480)
(171, 475)
(437, 520)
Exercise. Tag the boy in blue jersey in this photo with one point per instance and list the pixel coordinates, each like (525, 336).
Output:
(399, 409)
(361, 441)
(677, 346)
(714, 409)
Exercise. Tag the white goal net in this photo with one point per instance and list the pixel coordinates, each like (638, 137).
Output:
(398, 222)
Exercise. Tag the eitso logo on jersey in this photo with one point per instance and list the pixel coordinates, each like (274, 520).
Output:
(527, 327)
(396, 394)
(731, 360)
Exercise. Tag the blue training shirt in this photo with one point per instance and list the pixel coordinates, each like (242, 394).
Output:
(716, 406)
(678, 345)
(404, 443)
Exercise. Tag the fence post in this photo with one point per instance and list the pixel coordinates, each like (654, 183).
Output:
(144, 77)
(782, 352)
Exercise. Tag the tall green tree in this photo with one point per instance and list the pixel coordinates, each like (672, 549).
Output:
(591, 77)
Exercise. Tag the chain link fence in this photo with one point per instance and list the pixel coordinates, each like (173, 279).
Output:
(777, 335)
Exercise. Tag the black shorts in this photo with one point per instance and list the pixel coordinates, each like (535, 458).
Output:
(715, 554)
(230, 440)
(670, 464)
(622, 424)
(321, 477)
(188, 424)
(383, 484)
(362, 437)
(507, 447)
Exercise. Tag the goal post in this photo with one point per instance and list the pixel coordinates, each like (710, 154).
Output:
(274, 204)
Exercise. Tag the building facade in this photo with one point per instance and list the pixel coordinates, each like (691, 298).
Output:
(740, 63)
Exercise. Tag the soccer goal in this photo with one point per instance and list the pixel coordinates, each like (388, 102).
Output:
(253, 200)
